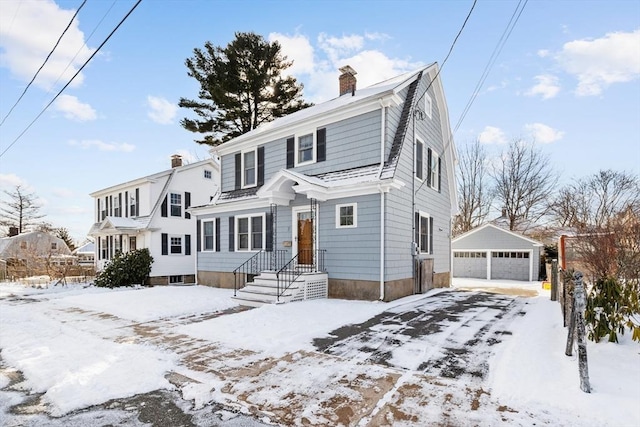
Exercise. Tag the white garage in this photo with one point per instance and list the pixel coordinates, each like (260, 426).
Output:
(490, 252)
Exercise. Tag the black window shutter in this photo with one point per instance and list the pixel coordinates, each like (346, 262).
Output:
(198, 237)
(439, 174)
(417, 233)
(429, 166)
(99, 239)
(126, 204)
(165, 244)
(137, 201)
(238, 171)
(232, 245)
(99, 213)
(163, 208)
(187, 204)
(187, 244)
(110, 205)
(110, 247)
(321, 145)
(260, 166)
(419, 158)
(430, 234)
(290, 153)
(120, 204)
(269, 232)
(217, 234)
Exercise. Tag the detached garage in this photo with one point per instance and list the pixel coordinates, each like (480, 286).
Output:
(490, 252)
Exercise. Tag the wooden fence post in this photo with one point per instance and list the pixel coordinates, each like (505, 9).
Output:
(580, 304)
(554, 280)
(572, 327)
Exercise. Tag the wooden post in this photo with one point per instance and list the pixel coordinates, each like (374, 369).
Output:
(580, 304)
(554, 280)
(572, 327)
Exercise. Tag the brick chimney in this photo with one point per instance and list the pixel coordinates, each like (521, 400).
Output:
(347, 80)
(176, 161)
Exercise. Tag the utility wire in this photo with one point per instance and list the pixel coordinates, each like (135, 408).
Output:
(74, 76)
(45, 61)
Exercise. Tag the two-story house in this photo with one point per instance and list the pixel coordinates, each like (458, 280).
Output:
(151, 212)
(360, 188)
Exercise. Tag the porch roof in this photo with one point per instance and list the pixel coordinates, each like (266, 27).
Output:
(115, 225)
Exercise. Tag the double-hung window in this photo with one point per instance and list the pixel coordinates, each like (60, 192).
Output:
(175, 245)
(347, 215)
(305, 148)
(208, 237)
(250, 234)
(116, 207)
(425, 233)
(249, 168)
(176, 204)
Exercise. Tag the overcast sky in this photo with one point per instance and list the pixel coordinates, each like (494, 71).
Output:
(567, 77)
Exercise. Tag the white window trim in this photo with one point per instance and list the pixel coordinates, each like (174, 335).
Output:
(434, 170)
(428, 105)
(202, 237)
(255, 167)
(355, 215)
(313, 134)
(176, 236)
(419, 225)
(415, 153)
(237, 231)
(171, 204)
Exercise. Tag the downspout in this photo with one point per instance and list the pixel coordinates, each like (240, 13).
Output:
(383, 119)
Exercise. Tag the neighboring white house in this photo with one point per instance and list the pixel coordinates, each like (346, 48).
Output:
(151, 212)
(490, 252)
(86, 254)
(33, 252)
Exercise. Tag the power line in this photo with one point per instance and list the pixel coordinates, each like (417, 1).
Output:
(74, 76)
(45, 61)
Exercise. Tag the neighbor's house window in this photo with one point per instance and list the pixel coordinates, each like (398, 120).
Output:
(428, 105)
(132, 243)
(176, 204)
(208, 239)
(54, 246)
(419, 154)
(425, 233)
(249, 168)
(347, 215)
(250, 235)
(176, 245)
(305, 148)
(116, 206)
(104, 248)
(207, 174)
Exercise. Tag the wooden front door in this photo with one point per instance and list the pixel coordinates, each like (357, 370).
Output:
(305, 238)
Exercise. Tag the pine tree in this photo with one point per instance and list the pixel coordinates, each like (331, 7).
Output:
(241, 87)
(21, 210)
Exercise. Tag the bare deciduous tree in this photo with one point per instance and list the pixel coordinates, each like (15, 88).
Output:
(523, 179)
(474, 193)
(21, 210)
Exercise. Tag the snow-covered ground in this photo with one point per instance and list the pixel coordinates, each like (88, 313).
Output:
(80, 346)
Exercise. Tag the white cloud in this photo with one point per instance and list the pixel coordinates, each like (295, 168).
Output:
(542, 133)
(28, 31)
(547, 86)
(162, 111)
(492, 135)
(102, 146)
(598, 63)
(10, 181)
(543, 53)
(320, 63)
(73, 109)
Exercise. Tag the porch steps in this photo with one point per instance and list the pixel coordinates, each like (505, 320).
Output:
(264, 290)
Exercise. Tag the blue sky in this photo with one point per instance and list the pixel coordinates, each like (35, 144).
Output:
(568, 77)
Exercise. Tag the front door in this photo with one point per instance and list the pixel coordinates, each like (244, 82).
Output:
(304, 237)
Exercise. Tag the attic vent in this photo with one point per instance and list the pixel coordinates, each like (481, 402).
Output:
(347, 80)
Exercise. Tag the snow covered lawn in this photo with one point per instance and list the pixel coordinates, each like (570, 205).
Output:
(453, 356)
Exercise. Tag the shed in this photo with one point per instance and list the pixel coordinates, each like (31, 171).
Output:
(492, 253)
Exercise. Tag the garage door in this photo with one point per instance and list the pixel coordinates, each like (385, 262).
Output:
(510, 265)
(470, 264)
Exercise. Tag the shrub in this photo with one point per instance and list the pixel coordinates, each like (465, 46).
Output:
(127, 269)
(612, 308)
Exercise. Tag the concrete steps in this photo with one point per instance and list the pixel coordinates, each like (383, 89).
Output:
(264, 290)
